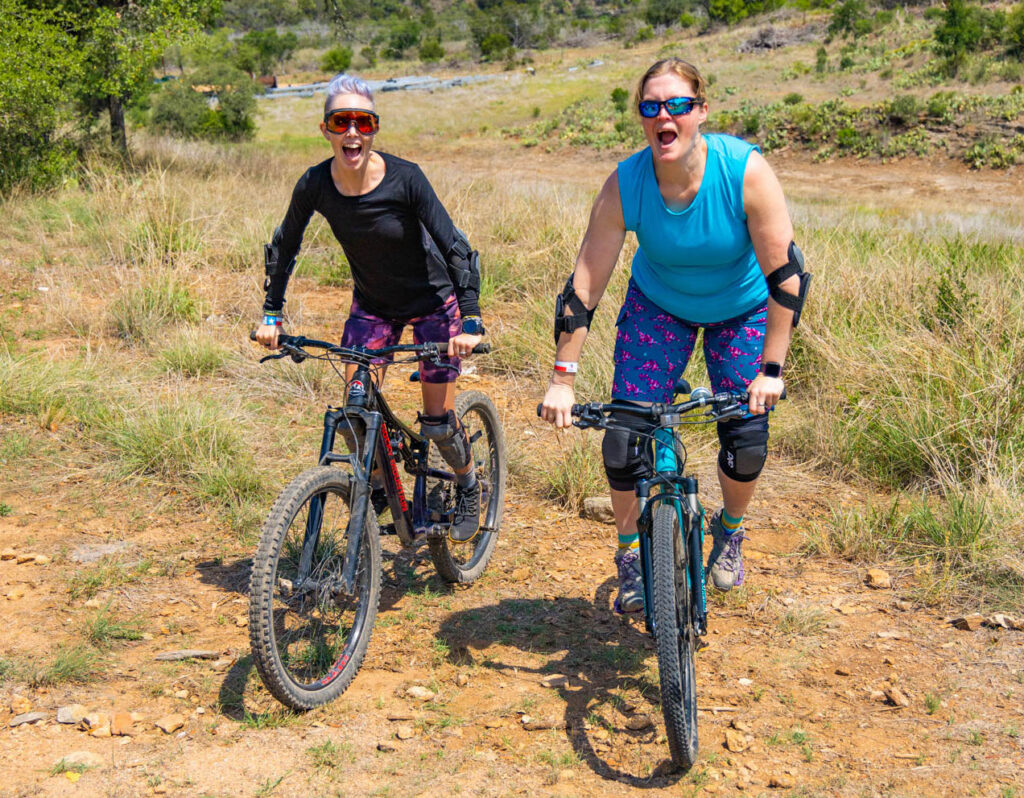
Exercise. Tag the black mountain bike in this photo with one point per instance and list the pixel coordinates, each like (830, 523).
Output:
(671, 527)
(316, 574)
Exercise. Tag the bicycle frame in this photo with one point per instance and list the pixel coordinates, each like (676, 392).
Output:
(367, 410)
(681, 492)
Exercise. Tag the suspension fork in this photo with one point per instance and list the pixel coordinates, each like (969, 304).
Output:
(692, 526)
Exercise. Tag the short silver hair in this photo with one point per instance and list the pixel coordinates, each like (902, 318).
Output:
(346, 84)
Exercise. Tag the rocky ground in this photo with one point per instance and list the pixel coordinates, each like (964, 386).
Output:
(818, 678)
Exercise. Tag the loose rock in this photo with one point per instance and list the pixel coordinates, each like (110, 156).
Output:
(968, 623)
(20, 705)
(170, 724)
(93, 721)
(188, 653)
(555, 680)
(462, 679)
(41, 559)
(8, 554)
(735, 741)
(386, 746)
(781, 781)
(405, 732)
(420, 693)
(639, 722)
(27, 717)
(598, 508)
(121, 725)
(895, 696)
(539, 724)
(72, 713)
(878, 579)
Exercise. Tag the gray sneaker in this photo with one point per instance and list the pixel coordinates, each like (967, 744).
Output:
(725, 565)
(631, 586)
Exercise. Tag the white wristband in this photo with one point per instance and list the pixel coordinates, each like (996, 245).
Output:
(566, 367)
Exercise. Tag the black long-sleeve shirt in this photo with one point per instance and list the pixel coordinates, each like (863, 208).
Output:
(380, 232)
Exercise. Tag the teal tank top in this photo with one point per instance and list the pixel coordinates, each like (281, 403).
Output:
(698, 263)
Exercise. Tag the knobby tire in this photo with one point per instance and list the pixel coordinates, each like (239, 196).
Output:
(674, 634)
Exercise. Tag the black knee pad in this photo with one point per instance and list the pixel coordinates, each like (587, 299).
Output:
(744, 447)
(626, 452)
(450, 437)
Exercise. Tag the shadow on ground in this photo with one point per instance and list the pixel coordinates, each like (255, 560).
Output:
(601, 654)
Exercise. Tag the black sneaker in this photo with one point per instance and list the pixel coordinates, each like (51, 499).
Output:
(466, 520)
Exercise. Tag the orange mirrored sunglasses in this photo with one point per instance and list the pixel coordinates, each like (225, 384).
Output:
(341, 119)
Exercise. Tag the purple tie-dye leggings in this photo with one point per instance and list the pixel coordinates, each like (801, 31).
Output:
(362, 328)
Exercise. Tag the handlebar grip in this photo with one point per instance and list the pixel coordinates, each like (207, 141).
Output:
(252, 335)
(481, 349)
(539, 408)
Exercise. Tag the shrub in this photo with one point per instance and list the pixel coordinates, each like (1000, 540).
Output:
(431, 51)
(793, 98)
(901, 110)
(850, 19)
(369, 56)
(495, 46)
(404, 34)
(181, 108)
(821, 61)
(620, 99)
(337, 59)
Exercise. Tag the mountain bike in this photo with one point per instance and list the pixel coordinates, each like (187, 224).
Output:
(316, 574)
(670, 524)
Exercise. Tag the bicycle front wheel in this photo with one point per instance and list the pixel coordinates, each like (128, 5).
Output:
(308, 635)
(674, 634)
(463, 562)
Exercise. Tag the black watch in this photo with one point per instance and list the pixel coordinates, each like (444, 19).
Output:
(772, 369)
(473, 325)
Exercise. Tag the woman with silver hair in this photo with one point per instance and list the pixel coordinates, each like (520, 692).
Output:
(410, 266)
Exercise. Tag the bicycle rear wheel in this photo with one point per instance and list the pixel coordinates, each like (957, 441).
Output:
(308, 636)
(674, 634)
(463, 562)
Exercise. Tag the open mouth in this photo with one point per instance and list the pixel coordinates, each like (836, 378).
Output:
(666, 137)
(352, 152)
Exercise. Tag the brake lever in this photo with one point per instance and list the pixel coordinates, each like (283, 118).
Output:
(278, 356)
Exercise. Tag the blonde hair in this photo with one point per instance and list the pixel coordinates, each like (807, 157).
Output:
(677, 66)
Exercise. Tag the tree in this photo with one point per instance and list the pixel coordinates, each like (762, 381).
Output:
(119, 42)
(38, 69)
(850, 19)
(431, 51)
(1014, 36)
(959, 33)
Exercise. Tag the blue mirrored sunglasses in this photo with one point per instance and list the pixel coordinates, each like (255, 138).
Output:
(676, 106)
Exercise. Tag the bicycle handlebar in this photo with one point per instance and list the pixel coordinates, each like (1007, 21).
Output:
(426, 348)
(723, 405)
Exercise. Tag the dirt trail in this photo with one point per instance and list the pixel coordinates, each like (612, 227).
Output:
(797, 660)
(795, 671)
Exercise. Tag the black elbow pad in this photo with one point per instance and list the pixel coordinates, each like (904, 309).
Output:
(272, 256)
(793, 302)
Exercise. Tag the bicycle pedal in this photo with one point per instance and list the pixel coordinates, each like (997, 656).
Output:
(388, 529)
(438, 531)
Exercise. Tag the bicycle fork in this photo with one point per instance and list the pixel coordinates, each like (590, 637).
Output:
(359, 495)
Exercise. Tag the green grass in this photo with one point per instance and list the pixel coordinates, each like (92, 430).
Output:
(5, 510)
(330, 757)
(193, 354)
(958, 545)
(71, 664)
(64, 766)
(147, 304)
(103, 628)
(108, 573)
(573, 470)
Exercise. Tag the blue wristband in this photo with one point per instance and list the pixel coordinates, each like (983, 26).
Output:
(272, 320)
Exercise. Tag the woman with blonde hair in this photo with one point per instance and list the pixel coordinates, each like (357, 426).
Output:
(716, 254)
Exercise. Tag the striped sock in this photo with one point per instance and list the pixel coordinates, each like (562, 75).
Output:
(629, 541)
(730, 524)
